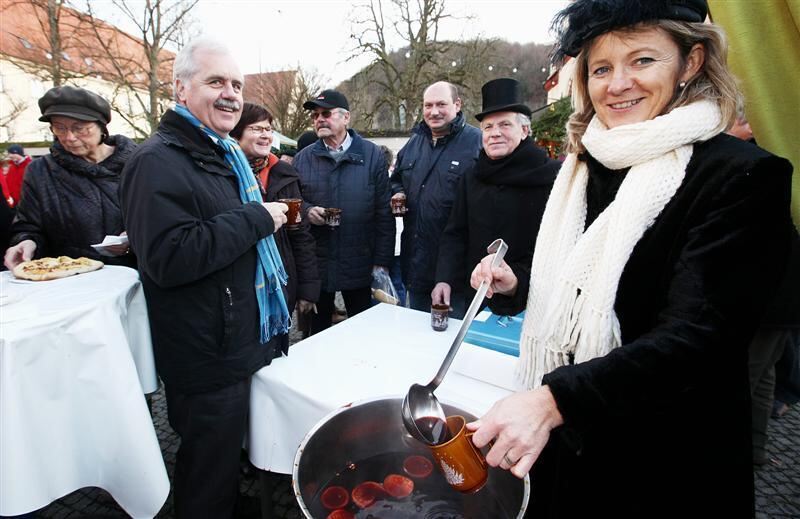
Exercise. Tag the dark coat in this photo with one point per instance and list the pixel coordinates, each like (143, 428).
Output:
(429, 174)
(297, 247)
(69, 203)
(502, 198)
(660, 427)
(358, 184)
(196, 243)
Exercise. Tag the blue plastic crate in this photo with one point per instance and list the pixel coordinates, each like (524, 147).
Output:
(498, 333)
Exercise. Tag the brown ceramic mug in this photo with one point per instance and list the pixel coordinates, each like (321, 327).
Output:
(462, 463)
(439, 316)
(398, 206)
(293, 215)
(333, 216)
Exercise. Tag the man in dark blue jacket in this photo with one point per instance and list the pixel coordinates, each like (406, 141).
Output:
(427, 173)
(344, 171)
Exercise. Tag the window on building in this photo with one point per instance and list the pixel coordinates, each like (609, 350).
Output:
(25, 43)
(65, 56)
(88, 62)
(49, 56)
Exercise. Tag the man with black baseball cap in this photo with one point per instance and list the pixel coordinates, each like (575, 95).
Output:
(345, 171)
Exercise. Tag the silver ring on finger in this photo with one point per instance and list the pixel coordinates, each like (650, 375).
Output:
(508, 460)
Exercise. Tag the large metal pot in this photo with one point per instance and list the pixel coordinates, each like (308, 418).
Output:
(373, 427)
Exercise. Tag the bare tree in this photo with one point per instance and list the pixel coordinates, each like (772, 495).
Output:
(283, 94)
(141, 68)
(401, 79)
(61, 30)
(12, 108)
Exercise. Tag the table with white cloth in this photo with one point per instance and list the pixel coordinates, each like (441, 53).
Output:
(75, 361)
(379, 352)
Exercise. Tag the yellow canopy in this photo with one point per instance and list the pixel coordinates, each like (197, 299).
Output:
(764, 53)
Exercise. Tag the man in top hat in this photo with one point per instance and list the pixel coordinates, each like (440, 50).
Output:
(344, 171)
(429, 167)
(503, 196)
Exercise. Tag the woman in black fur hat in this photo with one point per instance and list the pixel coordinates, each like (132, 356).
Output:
(661, 243)
(69, 197)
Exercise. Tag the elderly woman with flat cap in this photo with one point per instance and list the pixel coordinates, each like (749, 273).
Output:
(69, 197)
(661, 243)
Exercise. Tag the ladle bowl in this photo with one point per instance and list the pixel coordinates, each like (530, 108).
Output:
(422, 414)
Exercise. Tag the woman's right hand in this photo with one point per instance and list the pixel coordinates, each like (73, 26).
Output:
(501, 279)
(23, 251)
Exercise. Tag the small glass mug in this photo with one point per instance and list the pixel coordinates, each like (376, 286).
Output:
(462, 463)
(399, 206)
(439, 316)
(333, 216)
(293, 215)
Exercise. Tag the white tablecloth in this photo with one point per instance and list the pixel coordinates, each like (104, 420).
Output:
(75, 360)
(380, 352)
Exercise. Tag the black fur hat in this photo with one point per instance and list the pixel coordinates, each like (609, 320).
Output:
(582, 20)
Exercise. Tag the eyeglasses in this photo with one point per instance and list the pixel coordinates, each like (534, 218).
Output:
(78, 130)
(258, 130)
(325, 114)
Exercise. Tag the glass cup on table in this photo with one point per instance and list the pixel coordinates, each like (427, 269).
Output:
(439, 316)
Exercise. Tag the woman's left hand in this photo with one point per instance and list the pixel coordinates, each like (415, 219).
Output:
(520, 426)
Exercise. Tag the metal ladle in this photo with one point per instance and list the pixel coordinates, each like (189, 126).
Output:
(423, 416)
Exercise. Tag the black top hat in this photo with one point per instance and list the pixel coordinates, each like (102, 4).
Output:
(502, 95)
(582, 20)
(327, 99)
(77, 103)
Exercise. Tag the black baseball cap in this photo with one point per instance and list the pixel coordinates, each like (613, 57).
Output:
(327, 99)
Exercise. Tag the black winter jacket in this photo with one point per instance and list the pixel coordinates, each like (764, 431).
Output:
(359, 185)
(660, 427)
(297, 247)
(429, 175)
(69, 203)
(195, 240)
(502, 198)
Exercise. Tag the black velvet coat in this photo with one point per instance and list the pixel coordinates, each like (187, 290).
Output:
(660, 427)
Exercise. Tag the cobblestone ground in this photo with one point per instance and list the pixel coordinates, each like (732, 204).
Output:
(777, 483)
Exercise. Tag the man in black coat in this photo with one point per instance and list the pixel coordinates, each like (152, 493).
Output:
(199, 247)
(429, 167)
(503, 196)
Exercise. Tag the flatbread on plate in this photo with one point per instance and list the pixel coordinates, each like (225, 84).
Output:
(46, 269)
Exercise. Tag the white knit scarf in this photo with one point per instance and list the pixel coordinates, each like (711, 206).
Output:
(575, 274)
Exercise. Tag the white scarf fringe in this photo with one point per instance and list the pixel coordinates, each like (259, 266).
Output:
(575, 274)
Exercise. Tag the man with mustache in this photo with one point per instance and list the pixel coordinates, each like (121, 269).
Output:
(211, 273)
(428, 169)
(342, 170)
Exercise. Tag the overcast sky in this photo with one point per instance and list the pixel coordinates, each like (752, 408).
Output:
(270, 35)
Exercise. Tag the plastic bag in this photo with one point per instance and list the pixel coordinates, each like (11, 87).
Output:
(382, 288)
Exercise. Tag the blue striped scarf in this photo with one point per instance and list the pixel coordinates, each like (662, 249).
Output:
(270, 274)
